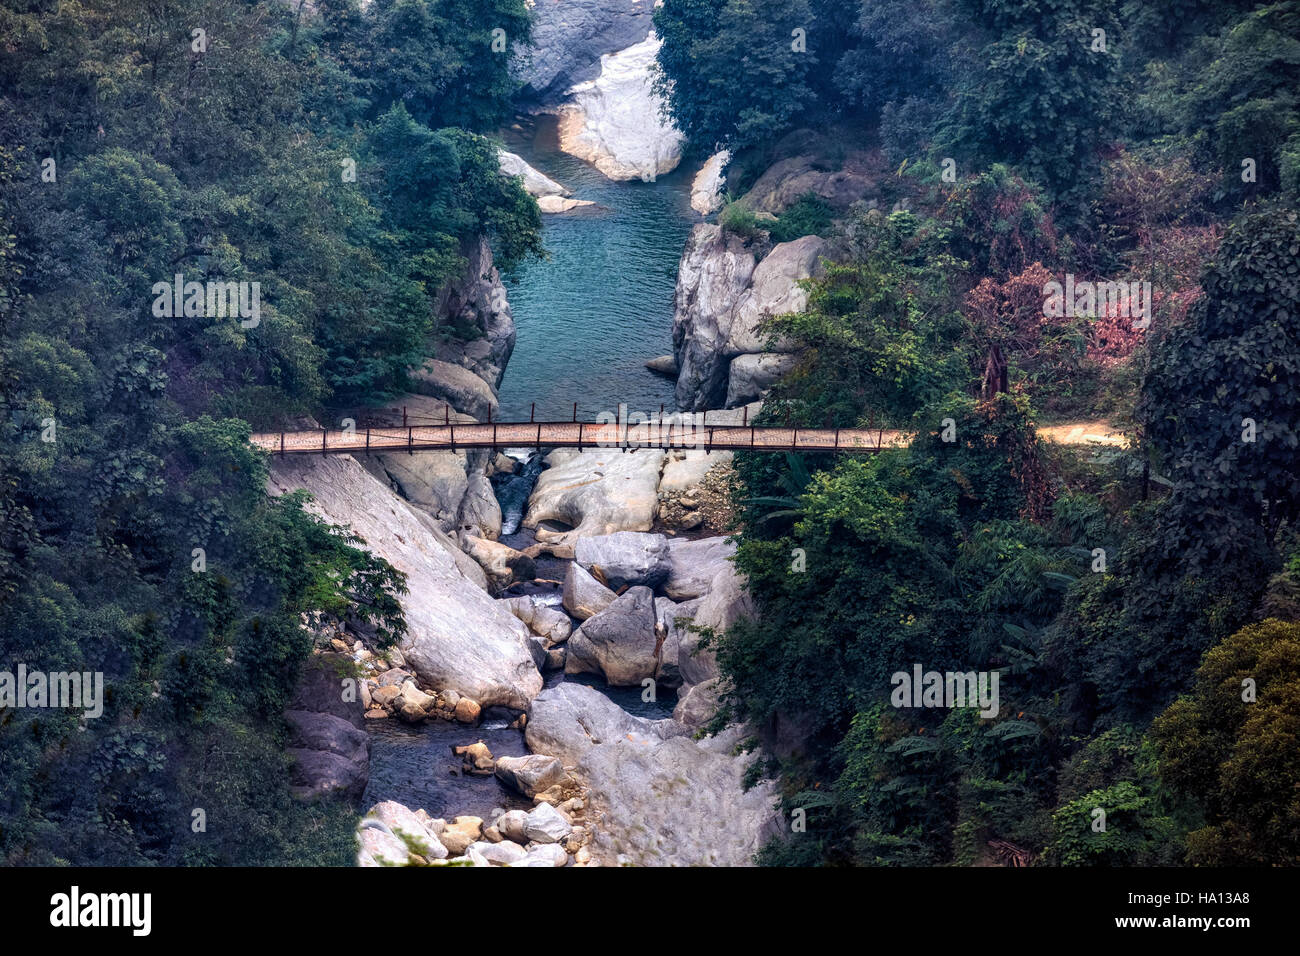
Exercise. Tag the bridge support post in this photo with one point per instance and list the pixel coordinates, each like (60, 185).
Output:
(580, 424)
(367, 442)
(281, 442)
(323, 432)
(410, 441)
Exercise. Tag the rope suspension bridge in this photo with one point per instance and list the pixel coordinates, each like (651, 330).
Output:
(684, 430)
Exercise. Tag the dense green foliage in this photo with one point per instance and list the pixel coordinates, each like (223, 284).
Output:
(1041, 86)
(1098, 587)
(135, 150)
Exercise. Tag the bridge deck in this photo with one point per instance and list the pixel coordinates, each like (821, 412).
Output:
(574, 435)
(611, 435)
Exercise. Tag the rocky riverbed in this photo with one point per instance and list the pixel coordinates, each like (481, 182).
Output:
(546, 706)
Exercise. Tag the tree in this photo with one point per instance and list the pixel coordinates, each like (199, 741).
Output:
(706, 47)
(1221, 402)
(1232, 747)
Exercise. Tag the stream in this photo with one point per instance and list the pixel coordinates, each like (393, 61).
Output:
(586, 320)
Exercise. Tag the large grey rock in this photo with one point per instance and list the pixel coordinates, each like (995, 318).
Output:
(616, 121)
(676, 803)
(699, 704)
(693, 564)
(480, 514)
(626, 558)
(620, 642)
(725, 602)
(584, 596)
(434, 481)
(567, 720)
(330, 750)
(456, 385)
(570, 37)
(545, 854)
(407, 827)
(750, 376)
(531, 774)
(502, 563)
(504, 853)
(546, 622)
(595, 492)
(707, 186)
(323, 773)
(458, 638)
(723, 297)
(376, 847)
(536, 183)
(786, 181)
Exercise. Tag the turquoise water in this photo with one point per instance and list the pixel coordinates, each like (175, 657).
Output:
(589, 317)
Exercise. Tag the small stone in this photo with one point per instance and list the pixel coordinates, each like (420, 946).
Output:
(460, 833)
(376, 713)
(467, 711)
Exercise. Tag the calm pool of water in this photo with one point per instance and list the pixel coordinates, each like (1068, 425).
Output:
(591, 315)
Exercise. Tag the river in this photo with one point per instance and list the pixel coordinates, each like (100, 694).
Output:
(589, 317)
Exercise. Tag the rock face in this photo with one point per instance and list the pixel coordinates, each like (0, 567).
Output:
(567, 720)
(595, 492)
(459, 638)
(476, 301)
(715, 269)
(676, 802)
(723, 296)
(784, 182)
(626, 558)
(571, 36)
(773, 290)
(330, 750)
(614, 121)
(620, 642)
(706, 187)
